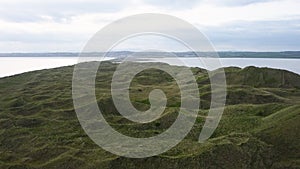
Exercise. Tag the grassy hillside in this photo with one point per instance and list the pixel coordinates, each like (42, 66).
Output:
(259, 128)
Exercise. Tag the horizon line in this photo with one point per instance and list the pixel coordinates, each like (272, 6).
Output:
(69, 52)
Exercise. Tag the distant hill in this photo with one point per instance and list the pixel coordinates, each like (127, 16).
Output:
(259, 127)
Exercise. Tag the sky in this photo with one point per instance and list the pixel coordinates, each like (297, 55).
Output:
(230, 25)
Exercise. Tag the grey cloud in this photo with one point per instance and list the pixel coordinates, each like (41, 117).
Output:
(240, 35)
(237, 2)
(259, 35)
(59, 37)
(181, 4)
(173, 4)
(58, 10)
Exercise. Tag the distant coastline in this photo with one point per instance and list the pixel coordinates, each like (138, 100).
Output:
(16, 65)
(117, 54)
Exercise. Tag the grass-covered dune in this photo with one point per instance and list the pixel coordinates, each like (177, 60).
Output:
(259, 128)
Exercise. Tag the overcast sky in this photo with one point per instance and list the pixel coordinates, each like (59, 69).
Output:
(231, 25)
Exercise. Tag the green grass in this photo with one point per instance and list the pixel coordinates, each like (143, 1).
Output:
(259, 128)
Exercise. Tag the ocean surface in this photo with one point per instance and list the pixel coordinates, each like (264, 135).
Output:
(16, 65)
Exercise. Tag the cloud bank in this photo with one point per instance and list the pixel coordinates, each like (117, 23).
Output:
(65, 25)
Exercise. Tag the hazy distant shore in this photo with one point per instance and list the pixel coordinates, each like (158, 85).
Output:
(221, 54)
(16, 65)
